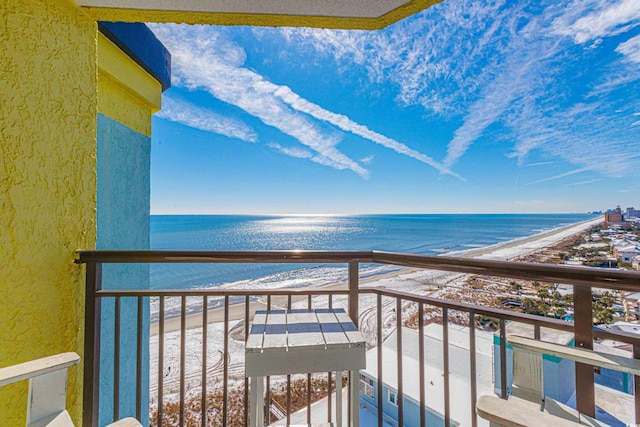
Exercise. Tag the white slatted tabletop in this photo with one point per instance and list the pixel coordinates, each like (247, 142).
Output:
(302, 341)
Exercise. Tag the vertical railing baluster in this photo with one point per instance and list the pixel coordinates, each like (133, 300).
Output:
(503, 359)
(329, 410)
(247, 303)
(225, 374)
(421, 363)
(289, 376)
(636, 386)
(160, 360)
(400, 398)
(445, 367)
(205, 327)
(92, 316)
(267, 398)
(116, 360)
(139, 360)
(309, 377)
(354, 313)
(353, 292)
(379, 344)
(349, 385)
(583, 327)
(183, 338)
(472, 368)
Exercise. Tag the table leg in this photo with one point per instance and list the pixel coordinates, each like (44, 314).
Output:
(338, 398)
(256, 402)
(354, 395)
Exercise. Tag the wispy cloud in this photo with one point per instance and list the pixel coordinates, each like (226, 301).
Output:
(204, 60)
(538, 164)
(562, 175)
(185, 113)
(343, 122)
(299, 153)
(427, 58)
(590, 20)
(499, 64)
(630, 49)
(367, 160)
(499, 95)
(574, 184)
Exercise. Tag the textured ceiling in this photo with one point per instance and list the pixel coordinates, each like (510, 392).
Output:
(364, 14)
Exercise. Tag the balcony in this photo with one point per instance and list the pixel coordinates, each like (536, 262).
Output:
(213, 391)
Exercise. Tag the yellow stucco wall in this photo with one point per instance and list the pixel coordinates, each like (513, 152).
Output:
(126, 92)
(48, 75)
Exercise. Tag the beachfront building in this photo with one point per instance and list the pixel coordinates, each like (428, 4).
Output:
(459, 375)
(626, 252)
(633, 213)
(613, 217)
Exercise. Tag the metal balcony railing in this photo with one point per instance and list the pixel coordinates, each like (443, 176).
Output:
(583, 279)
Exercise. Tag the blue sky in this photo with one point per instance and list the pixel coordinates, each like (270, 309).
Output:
(468, 107)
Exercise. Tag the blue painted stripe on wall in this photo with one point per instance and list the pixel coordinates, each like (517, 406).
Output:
(123, 197)
(139, 42)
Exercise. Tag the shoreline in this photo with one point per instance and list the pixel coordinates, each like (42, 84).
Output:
(504, 251)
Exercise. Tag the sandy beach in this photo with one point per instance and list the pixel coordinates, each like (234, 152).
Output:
(503, 251)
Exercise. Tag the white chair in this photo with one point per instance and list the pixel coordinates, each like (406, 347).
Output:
(527, 401)
(47, 396)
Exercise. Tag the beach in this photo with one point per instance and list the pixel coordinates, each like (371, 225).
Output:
(408, 279)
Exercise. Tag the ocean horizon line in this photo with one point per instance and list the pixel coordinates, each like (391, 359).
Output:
(364, 214)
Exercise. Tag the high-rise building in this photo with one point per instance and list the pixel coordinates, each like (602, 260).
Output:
(632, 213)
(613, 217)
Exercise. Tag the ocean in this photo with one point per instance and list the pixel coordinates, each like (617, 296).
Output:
(418, 234)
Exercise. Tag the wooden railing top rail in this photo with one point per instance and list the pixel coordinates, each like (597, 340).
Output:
(294, 256)
(553, 273)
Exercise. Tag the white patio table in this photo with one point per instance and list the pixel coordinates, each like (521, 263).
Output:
(283, 342)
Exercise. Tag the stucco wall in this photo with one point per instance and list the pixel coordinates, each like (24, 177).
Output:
(47, 185)
(127, 97)
(123, 223)
(126, 92)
